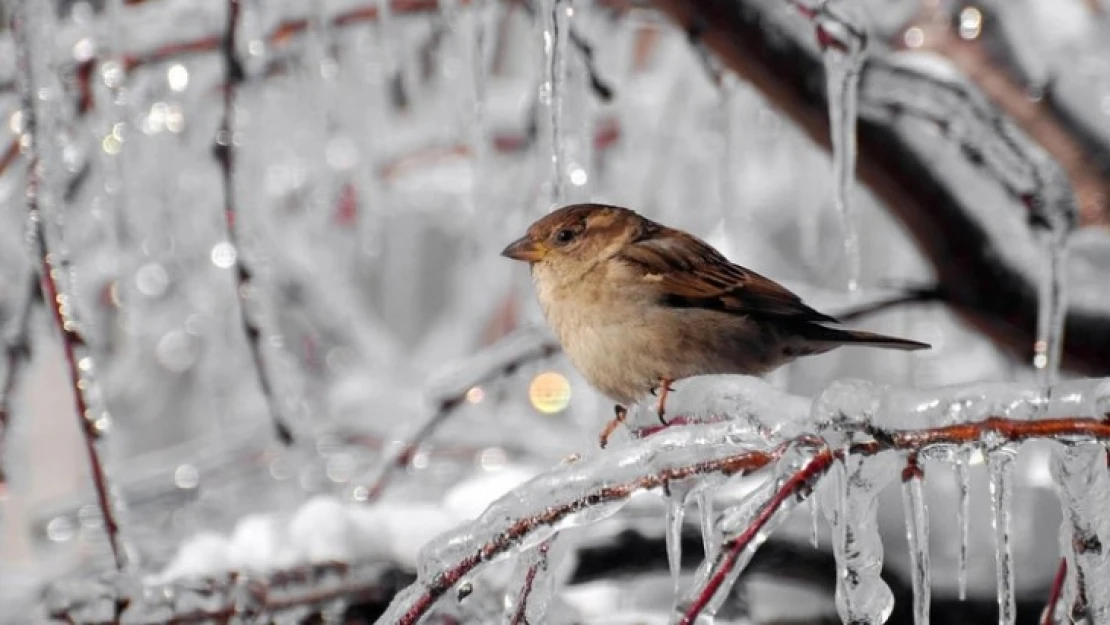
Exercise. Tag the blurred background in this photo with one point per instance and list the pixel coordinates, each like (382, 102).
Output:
(344, 198)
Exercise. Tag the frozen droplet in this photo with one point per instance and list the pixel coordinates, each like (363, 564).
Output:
(176, 351)
(186, 477)
(60, 529)
(223, 255)
(152, 280)
(178, 77)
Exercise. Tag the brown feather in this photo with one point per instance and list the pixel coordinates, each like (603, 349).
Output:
(689, 273)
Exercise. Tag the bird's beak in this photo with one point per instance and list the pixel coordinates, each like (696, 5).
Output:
(525, 249)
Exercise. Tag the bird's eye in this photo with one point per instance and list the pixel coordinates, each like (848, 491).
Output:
(564, 236)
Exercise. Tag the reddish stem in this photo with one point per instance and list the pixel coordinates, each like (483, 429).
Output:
(730, 552)
(225, 154)
(520, 615)
(59, 304)
(1054, 595)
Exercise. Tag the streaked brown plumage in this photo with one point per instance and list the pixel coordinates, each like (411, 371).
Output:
(634, 302)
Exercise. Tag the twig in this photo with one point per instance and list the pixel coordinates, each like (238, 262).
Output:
(503, 363)
(1049, 616)
(51, 269)
(539, 564)
(244, 279)
(17, 352)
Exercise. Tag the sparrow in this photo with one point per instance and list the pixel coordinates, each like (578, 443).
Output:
(637, 305)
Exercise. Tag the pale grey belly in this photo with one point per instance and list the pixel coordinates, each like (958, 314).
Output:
(626, 359)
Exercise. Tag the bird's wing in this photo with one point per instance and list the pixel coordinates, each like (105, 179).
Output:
(689, 273)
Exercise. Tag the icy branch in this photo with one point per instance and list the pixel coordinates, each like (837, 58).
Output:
(32, 29)
(448, 391)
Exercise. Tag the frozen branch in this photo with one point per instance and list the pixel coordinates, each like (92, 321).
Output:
(31, 27)
(963, 222)
(449, 389)
(857, 420)
(245, 287)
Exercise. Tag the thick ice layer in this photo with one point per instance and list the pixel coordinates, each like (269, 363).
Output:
(581, 493)
(912, 409)
(1084, 487)
(769, 413)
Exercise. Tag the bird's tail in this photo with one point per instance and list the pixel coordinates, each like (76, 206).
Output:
(835, 336)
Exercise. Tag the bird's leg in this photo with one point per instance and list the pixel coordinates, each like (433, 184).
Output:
(620, 413)
(661, 404)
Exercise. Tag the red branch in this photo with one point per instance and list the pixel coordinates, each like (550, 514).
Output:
(1048, 618)
(520, 615)
(50, 269)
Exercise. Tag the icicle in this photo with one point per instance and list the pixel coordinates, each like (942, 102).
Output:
(1001, 466)
(814, 517)
(710, 540)
(844, 44)
(963, 484)
(556, 19)
(917, 536)
(1052, 310)
(861, 594)
(676, 512)
(1083, 485)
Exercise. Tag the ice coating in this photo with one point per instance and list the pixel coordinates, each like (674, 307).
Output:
(534, 569)
(461, 375)
(844, 46)
(746, 526)
(1000, 464)
(845, 406)
(1083, 485)
(579, 493)
(911, 409)
(917, 537)
(770, 413)
(861, 594)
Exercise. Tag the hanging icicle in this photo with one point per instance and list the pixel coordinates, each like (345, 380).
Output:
(1000, 463)
(555, 17)
(844, 43)
(917, 537)
(963, 506)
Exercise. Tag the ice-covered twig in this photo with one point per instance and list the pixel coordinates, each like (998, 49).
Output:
(448, 391)
(538, 563)
(33, 29)
(1049, 616)
(17, 351)
(245, 287)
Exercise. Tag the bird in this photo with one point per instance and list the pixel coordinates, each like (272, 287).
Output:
(637, 305)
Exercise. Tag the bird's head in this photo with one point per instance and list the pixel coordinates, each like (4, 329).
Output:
(576, 236)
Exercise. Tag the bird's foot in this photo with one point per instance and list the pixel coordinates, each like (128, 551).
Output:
(661, 405)
(620, 413)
